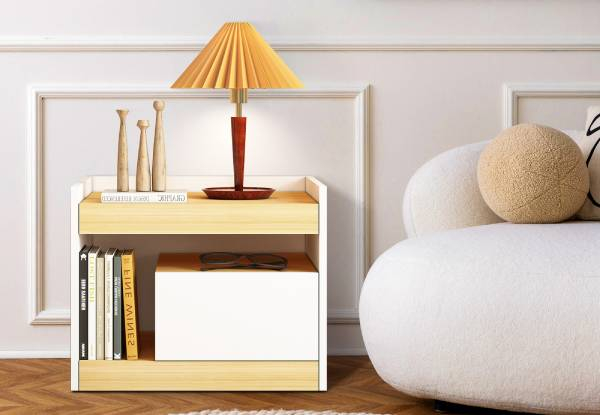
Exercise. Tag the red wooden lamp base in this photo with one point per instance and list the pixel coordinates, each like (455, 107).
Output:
(238, 192)
(229, 193)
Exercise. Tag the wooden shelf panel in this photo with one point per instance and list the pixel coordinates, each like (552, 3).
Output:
(186, 262)
(283, 213)
(147, 374)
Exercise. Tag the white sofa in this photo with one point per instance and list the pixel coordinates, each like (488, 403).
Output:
(473, 311)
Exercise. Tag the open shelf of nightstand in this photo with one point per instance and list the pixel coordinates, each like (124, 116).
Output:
(297, 210)
(147, 374)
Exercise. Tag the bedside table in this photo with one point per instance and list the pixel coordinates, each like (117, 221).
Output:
(220, 330)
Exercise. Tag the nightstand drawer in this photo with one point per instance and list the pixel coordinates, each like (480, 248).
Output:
(236, 315)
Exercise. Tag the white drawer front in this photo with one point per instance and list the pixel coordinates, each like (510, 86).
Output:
(237, 316)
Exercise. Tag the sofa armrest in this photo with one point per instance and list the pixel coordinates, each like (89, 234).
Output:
(444, 194)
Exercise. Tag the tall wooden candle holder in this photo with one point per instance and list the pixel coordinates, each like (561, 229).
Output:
(159, 163)
(122, 157)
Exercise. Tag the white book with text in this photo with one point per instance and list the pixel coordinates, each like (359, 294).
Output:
(92, 256)
(108, 303)
(100, 306)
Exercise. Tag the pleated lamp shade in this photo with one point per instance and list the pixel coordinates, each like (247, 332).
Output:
(237, 57)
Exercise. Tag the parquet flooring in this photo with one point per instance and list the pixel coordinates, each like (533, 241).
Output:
(41, 386)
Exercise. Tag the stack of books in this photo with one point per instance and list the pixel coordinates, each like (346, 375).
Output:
(108, 322)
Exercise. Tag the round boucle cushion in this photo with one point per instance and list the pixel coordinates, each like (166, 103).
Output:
(533, 174)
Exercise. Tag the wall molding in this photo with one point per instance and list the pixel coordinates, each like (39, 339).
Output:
(397, 44)
(39, 315)
(513, 91)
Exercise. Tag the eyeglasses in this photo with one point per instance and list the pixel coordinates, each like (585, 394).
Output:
(229, 260)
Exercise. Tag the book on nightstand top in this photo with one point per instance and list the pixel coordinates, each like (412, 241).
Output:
(172, 196)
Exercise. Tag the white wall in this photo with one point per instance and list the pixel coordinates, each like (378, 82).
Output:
(437, 70)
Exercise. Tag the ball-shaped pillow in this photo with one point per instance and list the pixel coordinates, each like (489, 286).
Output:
(533, 174)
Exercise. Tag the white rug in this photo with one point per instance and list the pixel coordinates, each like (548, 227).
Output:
(271, 412)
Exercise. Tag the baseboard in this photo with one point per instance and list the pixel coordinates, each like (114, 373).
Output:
(34, 354)
(64, 354)
(351, 351)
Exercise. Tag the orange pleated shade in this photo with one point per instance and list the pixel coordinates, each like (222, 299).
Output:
(237, 57)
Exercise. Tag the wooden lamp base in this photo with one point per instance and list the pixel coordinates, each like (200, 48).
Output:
(230, 193)
(238, 192)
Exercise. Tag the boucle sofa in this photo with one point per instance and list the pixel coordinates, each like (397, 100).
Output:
(477, 312)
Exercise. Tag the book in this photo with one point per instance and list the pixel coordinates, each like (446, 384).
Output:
(83, 303)
(92, 255)
(100, 306)
(117, 308)
(173, 196)
(129, 304)
(108, 303)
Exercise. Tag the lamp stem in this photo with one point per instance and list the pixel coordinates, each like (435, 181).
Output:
(238, 136)
(239, 96)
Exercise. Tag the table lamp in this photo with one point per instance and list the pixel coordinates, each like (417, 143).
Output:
(238, 58)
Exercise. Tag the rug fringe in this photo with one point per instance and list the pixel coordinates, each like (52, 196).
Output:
(273, 412)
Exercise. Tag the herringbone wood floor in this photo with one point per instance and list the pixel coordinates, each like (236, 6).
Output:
(41, 386)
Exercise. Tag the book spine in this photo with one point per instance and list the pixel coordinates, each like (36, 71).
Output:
(108, 307)
(83, 304)
(117, 309)
(144, 197)
(92, 306)
(129, 311)
(100, 308)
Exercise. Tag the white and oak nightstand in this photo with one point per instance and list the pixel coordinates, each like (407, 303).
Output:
(280, 343)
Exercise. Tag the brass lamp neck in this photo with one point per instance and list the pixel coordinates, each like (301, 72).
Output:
(239, 96)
